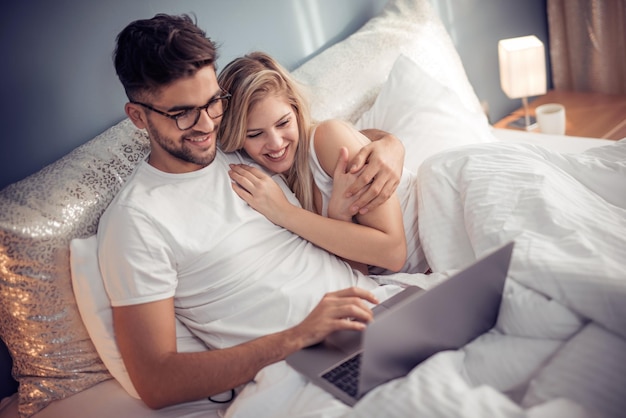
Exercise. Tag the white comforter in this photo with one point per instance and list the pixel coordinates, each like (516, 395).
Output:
(559, 347)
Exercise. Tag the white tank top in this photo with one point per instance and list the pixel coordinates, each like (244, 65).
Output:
(407, 194)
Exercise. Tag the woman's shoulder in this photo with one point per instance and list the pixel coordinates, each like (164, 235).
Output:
(337, 133)
(330, 132)
(332, 125)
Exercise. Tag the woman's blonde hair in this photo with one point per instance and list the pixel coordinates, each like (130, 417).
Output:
(250, 79)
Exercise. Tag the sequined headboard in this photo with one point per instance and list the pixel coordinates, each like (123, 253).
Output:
(39, 215)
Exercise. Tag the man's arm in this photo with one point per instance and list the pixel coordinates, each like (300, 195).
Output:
(381, 161)
(146, 336)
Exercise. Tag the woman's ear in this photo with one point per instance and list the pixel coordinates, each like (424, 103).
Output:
(136, 114)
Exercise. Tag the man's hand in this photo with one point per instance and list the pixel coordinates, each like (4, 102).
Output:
(344, 309)
(340, 206)
(379, 165)
(162, 376)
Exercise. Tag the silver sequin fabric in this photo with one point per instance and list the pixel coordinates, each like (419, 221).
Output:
(39, 320)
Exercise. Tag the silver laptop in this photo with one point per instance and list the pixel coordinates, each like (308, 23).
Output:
(408, 328)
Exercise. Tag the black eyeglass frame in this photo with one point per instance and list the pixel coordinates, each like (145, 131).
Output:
(224, 97)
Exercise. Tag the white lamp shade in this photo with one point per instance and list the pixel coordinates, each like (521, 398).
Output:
(522, 66)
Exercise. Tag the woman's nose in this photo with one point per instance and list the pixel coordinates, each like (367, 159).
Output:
(274, 140)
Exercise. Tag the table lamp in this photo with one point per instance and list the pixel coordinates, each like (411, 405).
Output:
(522, 73)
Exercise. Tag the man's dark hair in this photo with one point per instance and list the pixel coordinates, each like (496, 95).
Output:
(152, 53)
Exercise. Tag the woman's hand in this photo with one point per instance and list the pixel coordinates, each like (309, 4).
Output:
(259, 191)
(379, 167)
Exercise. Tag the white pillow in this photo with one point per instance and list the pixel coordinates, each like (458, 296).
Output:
(345, 79)
(95, 310)
(427, 116)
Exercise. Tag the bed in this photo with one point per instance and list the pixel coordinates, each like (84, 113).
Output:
(559, 346)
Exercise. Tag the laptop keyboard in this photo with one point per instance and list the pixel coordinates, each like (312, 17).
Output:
(346, 375)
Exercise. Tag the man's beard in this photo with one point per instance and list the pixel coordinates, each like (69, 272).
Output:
(178, 148)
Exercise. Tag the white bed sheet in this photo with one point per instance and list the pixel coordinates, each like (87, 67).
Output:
(559, 143)
(108, 399)
(559, 347)
(466, 382)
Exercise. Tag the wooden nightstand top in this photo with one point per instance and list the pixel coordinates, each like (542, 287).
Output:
(593, 115)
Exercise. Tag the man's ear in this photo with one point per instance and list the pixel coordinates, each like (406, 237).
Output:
(136, 115)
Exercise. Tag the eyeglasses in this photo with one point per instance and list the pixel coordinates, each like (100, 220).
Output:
(187, 119)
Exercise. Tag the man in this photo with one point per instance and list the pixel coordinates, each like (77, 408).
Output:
(177, 242)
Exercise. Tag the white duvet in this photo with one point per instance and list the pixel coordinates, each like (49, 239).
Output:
(559, 346)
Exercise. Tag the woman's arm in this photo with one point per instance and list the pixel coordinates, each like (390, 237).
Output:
(337, 146)
(379, 238)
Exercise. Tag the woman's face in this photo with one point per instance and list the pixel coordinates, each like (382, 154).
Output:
(272, 133)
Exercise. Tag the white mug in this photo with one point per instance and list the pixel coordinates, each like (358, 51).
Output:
(551, 118)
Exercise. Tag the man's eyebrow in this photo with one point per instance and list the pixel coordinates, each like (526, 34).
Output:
(180, 108)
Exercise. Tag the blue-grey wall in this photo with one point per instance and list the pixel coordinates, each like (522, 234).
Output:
(59, 89)
(57, 81)
(476, 26)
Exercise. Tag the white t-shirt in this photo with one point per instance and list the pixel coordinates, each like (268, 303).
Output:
(407, 194)
(233, 274)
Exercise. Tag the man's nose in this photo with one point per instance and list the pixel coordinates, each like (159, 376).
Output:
(205, 122)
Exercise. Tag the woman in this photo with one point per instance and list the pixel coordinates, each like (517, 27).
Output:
(268, 118)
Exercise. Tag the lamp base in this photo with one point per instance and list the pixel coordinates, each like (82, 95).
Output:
(521, 123)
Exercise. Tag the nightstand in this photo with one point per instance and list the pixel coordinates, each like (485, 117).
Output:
(592, 115)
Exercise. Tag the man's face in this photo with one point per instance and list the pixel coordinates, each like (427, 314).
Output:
(181, 151)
